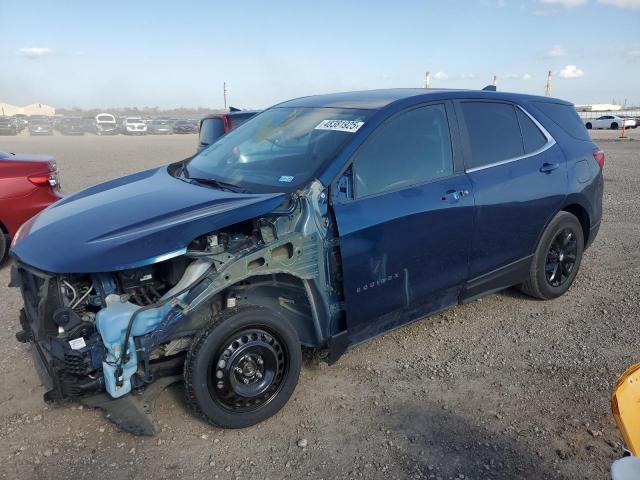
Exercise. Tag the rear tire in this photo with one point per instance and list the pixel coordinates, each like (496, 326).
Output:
(242, 368)
(614, 126)
(4, 241)
(557, 258)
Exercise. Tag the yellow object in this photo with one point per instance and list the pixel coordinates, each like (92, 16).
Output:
(625, 405)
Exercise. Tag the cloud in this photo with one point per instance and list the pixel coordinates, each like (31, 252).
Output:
(494, 3)
(517, 76)
(441, 76)
(571, 71)
(34, 52)
(632, 4)
(565, 3)
(557, 51)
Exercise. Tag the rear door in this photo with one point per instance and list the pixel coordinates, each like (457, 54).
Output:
(519, 180)
(404, 231)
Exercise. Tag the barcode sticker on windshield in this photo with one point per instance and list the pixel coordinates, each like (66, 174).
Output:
(350, 126)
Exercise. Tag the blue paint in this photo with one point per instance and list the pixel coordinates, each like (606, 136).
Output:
(130, 222)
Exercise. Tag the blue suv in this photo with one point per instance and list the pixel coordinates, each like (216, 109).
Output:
(320, 222)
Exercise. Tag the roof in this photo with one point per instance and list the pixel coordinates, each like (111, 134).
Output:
(377, 99)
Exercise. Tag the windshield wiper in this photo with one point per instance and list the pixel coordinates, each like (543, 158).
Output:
(230, 187)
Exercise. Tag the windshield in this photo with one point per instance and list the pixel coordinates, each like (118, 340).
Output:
(278, 150)
(133, 120)
(105, 118)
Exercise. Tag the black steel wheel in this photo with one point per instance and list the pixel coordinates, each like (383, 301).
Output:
(589, 126)
(243, 367)
(557, 258)
(614, 126)
(249, 370)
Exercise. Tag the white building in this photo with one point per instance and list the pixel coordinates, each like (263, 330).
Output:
(599, 107)
(9, 110)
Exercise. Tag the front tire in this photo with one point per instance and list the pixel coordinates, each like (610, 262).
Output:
(242, 368)
(589, 126)
(557, 258)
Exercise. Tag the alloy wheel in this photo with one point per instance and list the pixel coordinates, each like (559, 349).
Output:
(561, 257)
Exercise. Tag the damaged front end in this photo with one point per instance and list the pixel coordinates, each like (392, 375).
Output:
(116, 339)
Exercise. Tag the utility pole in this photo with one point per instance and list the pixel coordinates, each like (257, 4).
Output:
(427, 79)
(547, 87)
(224, 92)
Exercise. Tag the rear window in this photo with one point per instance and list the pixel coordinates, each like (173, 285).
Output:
(237, 120)
(211, 130)
(493, 132)
(566, 117)
(533, 138)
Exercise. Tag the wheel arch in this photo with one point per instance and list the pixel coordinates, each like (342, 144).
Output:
(581, 213)
(293, 297)
(574, 206)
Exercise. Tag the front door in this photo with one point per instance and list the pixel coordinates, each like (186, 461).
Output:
(405, 231)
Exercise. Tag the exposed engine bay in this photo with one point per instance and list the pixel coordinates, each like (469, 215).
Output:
(117, 332)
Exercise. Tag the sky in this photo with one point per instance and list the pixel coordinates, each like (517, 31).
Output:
(91, 54)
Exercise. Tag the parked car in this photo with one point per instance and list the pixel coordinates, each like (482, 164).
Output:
(71, 126)
(322, 222)
(185, 126)
(22, 120)
(160, 127)
(133, 126)
(40, 126)
(28, 184)
(613, 122)
(212, 127)
(9, 126)
(105, 124)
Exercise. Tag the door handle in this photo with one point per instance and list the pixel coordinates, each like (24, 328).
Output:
(451, 196)
(549, 167)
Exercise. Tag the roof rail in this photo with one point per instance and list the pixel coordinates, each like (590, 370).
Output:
(489, 88)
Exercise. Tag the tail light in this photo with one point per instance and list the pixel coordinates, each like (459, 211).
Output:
(599, 156)
(227, 123)
(50, 178)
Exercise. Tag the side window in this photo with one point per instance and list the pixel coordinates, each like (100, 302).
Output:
(411, 148)
(531, 134)
(566, 117)
(493, 131)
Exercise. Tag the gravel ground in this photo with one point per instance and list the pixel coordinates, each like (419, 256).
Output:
(506, 387)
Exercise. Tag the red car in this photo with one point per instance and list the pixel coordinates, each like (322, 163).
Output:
(28, 184)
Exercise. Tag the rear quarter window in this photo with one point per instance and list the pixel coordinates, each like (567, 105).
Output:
(566, 117)
(533, 138)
